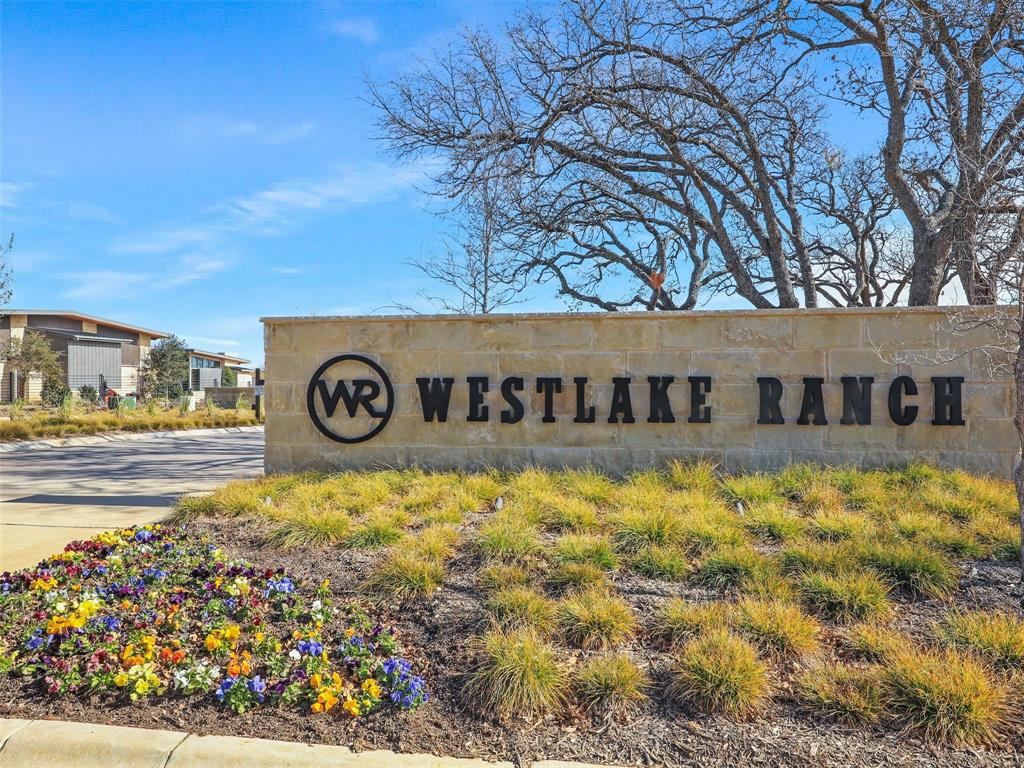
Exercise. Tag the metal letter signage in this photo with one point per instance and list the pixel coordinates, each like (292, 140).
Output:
(359, 397)
(350, 399)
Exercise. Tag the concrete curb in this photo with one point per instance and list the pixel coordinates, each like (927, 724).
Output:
(35, 743)
(116, 437)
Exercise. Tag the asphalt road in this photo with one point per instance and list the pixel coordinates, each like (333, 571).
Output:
(52, 496)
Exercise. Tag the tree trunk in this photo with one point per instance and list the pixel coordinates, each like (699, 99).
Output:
(930, 253)
(1018, 422)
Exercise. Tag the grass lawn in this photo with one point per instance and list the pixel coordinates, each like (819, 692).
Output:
(47, 424)
(676, 617)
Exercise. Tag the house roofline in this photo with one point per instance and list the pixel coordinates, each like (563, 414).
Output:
(219, 356)
(90, 318)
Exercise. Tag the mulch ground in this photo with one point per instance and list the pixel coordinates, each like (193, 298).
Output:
(437, 631)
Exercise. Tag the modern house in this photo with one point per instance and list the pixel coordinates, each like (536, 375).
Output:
(245, 377)
(206, 369)
(93, 350)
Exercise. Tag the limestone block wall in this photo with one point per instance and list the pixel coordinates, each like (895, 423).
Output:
(731, 348)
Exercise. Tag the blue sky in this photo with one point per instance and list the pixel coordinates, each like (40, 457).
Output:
(191, 167)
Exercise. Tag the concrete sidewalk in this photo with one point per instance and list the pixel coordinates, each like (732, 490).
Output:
(51, 496)
(35, 743)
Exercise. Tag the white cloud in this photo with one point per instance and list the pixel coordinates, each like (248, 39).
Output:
(103, 284)
(10, 192)
(250, 131)
(287, 270)
(364, 30)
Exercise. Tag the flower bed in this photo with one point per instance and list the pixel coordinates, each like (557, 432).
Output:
(142, 613)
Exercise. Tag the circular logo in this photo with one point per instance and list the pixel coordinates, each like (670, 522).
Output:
(350, 398)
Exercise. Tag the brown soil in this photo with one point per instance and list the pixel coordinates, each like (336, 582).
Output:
(437, 632)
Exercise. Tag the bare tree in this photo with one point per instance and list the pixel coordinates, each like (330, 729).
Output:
(6, 278)
(652, 155)
(947, 79)
(476, 268)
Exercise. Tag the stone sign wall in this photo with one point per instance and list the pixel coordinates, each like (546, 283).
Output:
(620, 391)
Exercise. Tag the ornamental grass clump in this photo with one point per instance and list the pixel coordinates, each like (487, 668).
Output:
(834, 526)
(567, 513)
(595, 619)
(435, 542)
(515, 674)
(586, 548)
(191, 507)
(577, 577)
(522, 607)
(634, 529)
(912, 568)
(311, 529)
(778, 629)
(841, 693)
(509, 539)
(661, 562)
(699, 476)
(610, 684)
(731, 567)
(845, 596)
(403, 577)
(501, 576)
(998, 638)
(719, 673)
(588, 485)
(947, 696)
(753, 488)
(773, 523)
(375, 532)
(804, 556)
(874, 642)
(678, 620)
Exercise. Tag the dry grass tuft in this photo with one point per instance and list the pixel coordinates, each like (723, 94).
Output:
(522, 607)
(720, 673)
(510, 539)
(611, 684)
(845, 596)
(849, 695)
(777, 628)
(312, 530)
(586, 548)
(731, 567)
(660, 562)
(996, 637)
(403, 577)
(679, 621)
(595, 619)
(515, 673)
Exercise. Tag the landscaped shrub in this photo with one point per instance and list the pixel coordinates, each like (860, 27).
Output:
(611, 684)
(844, 596)
(719, 673)
(842, 693)
(946, 696)
(143, 613)
(595, 619)
(515, 673)
(996, 637)
(777, 628)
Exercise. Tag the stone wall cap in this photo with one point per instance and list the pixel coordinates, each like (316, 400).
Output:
(501, 317)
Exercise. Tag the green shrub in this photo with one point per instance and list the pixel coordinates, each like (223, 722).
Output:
(777, 628)
(719, 673)
(659, 562)
(611, 684)
(678, 621)
(522, 607)
(88, 394)
(844, 596)
(850, 695)
(946, 696)
(595, 619)
(586, 548)
(403, 577)
(515, 673)
(996, 637)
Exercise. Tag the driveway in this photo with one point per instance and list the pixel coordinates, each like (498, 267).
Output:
(51, 496)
